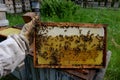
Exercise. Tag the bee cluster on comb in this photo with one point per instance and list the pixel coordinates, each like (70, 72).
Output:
(70, 46)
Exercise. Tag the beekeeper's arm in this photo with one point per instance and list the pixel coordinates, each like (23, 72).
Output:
(14, 48)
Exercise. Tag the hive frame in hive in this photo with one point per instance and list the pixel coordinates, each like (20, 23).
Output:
(67, 24)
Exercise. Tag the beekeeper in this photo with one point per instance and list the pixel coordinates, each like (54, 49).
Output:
(14, 48)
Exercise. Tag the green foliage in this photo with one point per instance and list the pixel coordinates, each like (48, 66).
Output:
(15, 19)
(59, 8)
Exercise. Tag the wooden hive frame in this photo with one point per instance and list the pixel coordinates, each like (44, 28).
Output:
(67, 24)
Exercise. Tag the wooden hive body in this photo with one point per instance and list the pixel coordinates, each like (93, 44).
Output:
(10, 6)
(27, 5)
(18, 6)
(3, 20)
(3, 10)
(8, 1)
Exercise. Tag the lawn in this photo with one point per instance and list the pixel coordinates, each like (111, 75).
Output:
(81, 15)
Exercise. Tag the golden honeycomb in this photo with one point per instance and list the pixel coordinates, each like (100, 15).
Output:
(70, 46)
(9, 31)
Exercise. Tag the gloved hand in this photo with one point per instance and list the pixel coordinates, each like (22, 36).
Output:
(28, 29)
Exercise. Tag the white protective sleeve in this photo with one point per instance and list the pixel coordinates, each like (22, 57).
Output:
(12, 53)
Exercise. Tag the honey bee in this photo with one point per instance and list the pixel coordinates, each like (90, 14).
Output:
(51, 49)
(61, 38)
(40, 35)
(88, 33)
(67, 45)
(66, 37)
(71, 38)
(44, 38)
(85, 38)
(66, 26)
(60, 46)
(84, 48)
(100, 38)
(71, 26)
(44, 55)
(77, 50)
(51, 44)
(93, 45)
(77, 41)
(99, 47)
(54, 60)
(49, 28)
(65, 30)
(47, 31)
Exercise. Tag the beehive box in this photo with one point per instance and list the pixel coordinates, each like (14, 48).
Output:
(102, 4)
(3, 10)
(27, 8)
(27, 5)
(17, 1)
(2, 15)
(3, 20)
(8, 1)
(18, 5)
(10, 8)
(18, 10)
(70, 45)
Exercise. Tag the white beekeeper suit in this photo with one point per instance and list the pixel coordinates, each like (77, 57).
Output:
(14, 48)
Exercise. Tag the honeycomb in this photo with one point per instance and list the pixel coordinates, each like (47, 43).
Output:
(9, 31)
(70, 46)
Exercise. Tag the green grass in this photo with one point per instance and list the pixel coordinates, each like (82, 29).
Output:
(15, 19)
(104, 16)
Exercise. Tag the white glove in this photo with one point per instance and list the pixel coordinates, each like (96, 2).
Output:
(28, 29)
